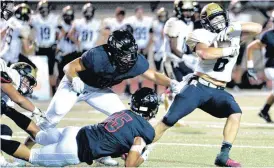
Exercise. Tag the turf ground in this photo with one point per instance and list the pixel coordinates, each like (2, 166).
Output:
(197, 144)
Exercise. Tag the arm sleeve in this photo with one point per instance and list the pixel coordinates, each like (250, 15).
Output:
(87, 59)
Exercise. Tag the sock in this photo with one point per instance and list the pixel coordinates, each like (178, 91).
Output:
(266, 109)
(140, 85)
(226, 146)
(127, 89)
(156, 88)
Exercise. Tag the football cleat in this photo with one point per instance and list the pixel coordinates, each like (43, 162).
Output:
(107, 161)
(266, 117)
(222, 162)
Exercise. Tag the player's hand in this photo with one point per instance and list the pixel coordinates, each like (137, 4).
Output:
(223, 35)
(78, 85)
(251, 72)
(174, 86)
(38, 114)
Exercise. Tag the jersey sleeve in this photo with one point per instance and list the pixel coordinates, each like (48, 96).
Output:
(195, 37)
(171, 29)
(87, 59)
(263, 38)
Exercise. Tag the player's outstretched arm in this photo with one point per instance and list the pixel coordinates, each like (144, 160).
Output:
(249, 30)
(254, 45)
(208, 53)
(16, 97)
(134, 158)
(157, 77)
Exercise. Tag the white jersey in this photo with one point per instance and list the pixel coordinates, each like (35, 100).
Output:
(158, 35)
(14, 75)
(112, 24)
(46, 29)
(141, 30)
(65, 44)
(219, 69)
(3, 26)
(176, 28)
(88, 32)
(13, 40)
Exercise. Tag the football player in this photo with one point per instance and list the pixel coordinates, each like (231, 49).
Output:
(265, 41)
(142, 31)
(66, 49)
(85, 32)
(90, 78)
(217, 45)
(18, 41)
(158, 38)
(17, 81)
(197, 10)
(127, 131)
(178, 60)
(45, 26)
(112, 24)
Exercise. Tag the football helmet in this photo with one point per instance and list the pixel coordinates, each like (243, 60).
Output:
(184, 10)
(22, 12)
(214, 18)
(27, 77)
(124, 50)
(7, 9)
(44, 8)
(162, 14)
(145, 102)
(88, 11)
(68, 14)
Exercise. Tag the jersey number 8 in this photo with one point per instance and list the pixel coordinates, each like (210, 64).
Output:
(220, 64)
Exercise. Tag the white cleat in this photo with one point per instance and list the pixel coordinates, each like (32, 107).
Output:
(5, 163)
(107, 161)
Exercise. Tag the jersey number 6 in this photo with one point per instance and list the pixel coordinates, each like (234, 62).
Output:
(115, 122)
(220, 64)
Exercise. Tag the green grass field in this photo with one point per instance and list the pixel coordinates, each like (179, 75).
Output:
(197, 144)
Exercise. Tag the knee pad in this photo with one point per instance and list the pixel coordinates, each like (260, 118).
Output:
(9, 146)
(6, 132)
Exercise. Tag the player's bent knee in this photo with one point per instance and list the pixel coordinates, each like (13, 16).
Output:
(235, 116)
(6, 132)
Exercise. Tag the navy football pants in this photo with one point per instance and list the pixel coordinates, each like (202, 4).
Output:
(216, 102)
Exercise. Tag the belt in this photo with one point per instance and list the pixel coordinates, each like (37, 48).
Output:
(209, 84)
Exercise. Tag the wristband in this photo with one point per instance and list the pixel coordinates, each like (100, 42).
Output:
(250, 64)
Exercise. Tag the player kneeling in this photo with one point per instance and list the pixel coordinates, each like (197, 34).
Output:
(127, 131)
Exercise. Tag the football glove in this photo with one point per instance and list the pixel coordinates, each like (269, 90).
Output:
(78, 85)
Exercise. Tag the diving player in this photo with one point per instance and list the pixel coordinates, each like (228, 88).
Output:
(266, 41)
(90, 78)
(205, 89)
(127, 131)
(17, 81)
(45, 26)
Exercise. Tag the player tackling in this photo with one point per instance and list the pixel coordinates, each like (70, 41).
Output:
(205, 89)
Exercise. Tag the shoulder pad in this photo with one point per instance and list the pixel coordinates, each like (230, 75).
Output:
(5, 78)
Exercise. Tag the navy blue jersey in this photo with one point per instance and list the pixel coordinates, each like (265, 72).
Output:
(267, 38)
(113, 137)
(100, 72)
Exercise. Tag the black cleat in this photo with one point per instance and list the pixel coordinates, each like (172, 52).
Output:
(266, 117)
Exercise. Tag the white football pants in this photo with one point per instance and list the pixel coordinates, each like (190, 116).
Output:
(269, 73)
(103, 100)
(60, 148)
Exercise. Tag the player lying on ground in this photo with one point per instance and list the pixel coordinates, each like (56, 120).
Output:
(91, 77)
(205, 89)
(122, 132)
(16, 82)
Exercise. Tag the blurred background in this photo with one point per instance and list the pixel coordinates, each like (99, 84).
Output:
(253, 10)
